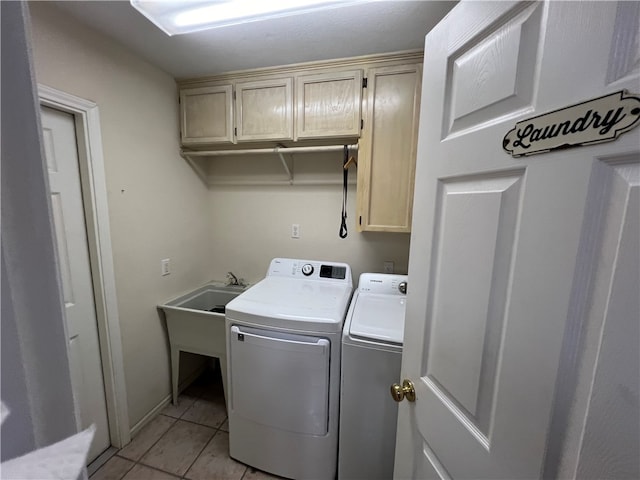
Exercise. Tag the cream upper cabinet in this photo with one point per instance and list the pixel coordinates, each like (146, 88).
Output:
(387, 150)
(206, 115)
(328, 105)
(264, 110)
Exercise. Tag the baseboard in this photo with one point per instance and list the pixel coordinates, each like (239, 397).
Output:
(150, 416)
(166, 401)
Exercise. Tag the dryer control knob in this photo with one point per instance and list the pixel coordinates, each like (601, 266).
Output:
(307, 269)
(403, 287)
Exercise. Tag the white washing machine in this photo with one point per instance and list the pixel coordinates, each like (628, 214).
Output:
(371, 358)
(283, 352)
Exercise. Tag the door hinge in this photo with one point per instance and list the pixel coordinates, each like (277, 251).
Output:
(360, 220)
(235, 131)
(361, 124)
(234, 94)
(364, 83)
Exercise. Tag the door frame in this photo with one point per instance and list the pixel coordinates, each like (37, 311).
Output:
(94, 198)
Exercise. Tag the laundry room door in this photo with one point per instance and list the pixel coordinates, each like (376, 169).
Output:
(523, 272)
(61, 154)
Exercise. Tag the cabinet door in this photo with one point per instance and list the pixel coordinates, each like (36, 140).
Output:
(206, 115)
(387, 153)
(328, 105)
(264, 110)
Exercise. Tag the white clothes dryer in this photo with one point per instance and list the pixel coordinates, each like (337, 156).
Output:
(371, 358)
(283, 352)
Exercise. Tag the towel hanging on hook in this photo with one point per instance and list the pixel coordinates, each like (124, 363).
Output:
(345, 178)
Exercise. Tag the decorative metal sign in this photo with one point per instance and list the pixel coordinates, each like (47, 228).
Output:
(599, 120)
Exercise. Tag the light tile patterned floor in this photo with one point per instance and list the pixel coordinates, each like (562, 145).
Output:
(189, 441)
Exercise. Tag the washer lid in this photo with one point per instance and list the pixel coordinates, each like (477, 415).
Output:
(379, 317)
(293, 303)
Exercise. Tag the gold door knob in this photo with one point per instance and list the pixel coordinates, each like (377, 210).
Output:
(407, 390)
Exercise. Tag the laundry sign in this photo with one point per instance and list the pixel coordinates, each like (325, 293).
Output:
(602, 119)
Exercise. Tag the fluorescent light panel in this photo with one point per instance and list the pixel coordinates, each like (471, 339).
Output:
(176, 17)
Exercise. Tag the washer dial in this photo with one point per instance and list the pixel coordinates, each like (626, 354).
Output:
(307, 269)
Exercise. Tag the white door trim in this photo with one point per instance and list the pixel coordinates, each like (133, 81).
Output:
(94, 196)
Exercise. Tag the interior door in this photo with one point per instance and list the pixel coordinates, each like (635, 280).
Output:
(61, 153)
(513, 259)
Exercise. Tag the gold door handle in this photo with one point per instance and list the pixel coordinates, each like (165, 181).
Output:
(407, 390)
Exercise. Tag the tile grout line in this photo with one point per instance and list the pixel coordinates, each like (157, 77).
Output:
(124, 474)
(159, 470)
(127, 472)
(205, 446)
(173, 473)
(198, 456)
(175, 420)
(201, 424)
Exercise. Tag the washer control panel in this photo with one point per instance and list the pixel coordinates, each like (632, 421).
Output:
(310, 270)
(383, 283)
(336, 272)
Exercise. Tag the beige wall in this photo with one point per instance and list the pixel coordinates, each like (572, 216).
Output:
(157, 206)
(252, 224)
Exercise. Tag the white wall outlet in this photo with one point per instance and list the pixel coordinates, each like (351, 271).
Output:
(388, 267)
(295, 230)
(165, 266)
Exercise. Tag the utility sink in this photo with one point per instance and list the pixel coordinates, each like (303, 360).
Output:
(195, 322)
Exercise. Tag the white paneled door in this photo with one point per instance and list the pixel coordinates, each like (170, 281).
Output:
(61, 153)
(523, 308)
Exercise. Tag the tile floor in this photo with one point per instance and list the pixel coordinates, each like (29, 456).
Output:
(188, 441)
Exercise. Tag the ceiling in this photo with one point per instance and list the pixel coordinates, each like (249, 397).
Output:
(363, 29)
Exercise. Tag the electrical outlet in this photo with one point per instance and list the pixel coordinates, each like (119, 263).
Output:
(165, 266)
(295, 230)
(388, 267)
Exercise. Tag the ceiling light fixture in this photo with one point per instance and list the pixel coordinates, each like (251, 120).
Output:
(187, 16)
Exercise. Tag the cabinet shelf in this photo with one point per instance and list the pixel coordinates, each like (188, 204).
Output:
(190, 156)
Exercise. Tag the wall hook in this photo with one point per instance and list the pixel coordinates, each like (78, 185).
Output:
(351, 161)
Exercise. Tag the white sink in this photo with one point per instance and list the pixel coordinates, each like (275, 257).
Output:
(195, 322)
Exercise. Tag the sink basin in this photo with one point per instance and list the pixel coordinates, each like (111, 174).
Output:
(205, 298)
(195, 322)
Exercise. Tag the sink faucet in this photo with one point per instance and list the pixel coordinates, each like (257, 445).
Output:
(233, 280)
